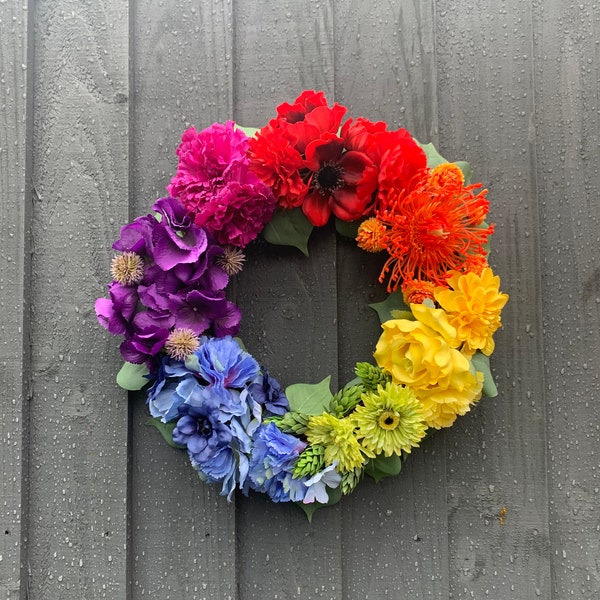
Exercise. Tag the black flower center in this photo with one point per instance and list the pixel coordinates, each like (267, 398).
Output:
(204, 427)
(329, 178)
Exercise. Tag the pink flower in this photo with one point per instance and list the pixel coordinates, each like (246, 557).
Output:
(215, 184)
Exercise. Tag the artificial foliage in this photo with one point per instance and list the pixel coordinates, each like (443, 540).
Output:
(210, 397)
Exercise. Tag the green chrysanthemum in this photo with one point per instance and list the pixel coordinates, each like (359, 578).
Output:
(389, 421)
(337, 436)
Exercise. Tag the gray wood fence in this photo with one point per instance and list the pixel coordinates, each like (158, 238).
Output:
(94, 95)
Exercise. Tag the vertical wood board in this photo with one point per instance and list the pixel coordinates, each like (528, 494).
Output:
(78, 417)
(288, 300)
(567, 59)
(15, 208)
(498, 504)
(183, 533)
(395, 532)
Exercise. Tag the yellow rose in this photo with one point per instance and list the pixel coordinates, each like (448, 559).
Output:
(473, 305)
(424, 355)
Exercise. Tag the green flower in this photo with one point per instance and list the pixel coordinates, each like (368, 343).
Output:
(389, 421)
(337, 436)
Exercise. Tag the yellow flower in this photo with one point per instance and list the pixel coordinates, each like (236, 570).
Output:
(473, 305)
(389, 420)
(424, 355)
(337, 436)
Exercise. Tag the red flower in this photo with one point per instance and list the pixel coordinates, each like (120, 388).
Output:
(342, 182)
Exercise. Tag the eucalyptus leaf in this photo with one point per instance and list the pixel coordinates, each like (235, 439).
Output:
(309, 398)
(132, 377)
(481, 363)
(289, 227)
(385, 309)
(434, 158)
(166, 430)
(335, 494)
(347, 229)
(249, 131)
(383, 466)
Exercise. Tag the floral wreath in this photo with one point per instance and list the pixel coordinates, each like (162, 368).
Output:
(208, 395)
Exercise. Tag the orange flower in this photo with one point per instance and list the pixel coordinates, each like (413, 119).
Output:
(369, 235)
(415, 291)
(435, 227)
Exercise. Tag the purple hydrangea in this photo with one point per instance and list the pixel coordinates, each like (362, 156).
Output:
(181, 287)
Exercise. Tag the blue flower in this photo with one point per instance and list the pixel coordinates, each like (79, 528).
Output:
(318, 483)
(272, 464)
(221, 362)
(266, 391)
(200, 430)
(163, 397)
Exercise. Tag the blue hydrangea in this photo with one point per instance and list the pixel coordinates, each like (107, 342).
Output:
(163, 396)
(316, 486)
(221, 362)
(272, 464)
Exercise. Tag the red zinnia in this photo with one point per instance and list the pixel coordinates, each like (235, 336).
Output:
(432, 229)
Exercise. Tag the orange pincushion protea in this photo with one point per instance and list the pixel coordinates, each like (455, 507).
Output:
(434, 227)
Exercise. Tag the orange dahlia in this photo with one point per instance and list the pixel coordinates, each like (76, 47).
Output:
(434, 227)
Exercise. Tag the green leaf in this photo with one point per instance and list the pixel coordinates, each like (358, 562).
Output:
(434, 158)
(131, 377)
(309, 398)
(465, 167)
(481, 363)
(383, 466)
(347, 229)
(240, 343)
(249, 131)
(166, 430)
(289, 227)
(335, 495)
(385, 309)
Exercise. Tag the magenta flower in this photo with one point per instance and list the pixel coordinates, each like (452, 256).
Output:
(215, 184)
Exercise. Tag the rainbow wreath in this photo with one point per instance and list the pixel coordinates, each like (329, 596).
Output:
(208, 395)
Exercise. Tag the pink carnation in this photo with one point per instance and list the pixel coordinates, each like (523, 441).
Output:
(215, 184)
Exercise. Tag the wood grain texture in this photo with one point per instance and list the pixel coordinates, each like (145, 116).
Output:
(15, 208)
(394, 533)
(568, 136)
(497, 453)
(78, 417)
(288, 300)
(183, 533)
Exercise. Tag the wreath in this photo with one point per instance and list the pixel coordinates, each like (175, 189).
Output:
(208, 395)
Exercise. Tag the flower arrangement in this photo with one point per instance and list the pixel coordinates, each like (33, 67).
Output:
(208, 395)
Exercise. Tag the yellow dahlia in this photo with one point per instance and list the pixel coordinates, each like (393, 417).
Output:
(389, 420)
(423, 354)
(337, 436)
(473, 304)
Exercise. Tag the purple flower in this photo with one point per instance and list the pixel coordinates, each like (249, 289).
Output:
(115, 314)
(272, 464)
(216, 185)
(266, 391)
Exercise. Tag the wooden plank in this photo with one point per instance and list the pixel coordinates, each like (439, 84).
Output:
(385, 70)
(15, 203)
(288, 300)
(78, 417)
(567, 134)
(183, 532)
(498, 451)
